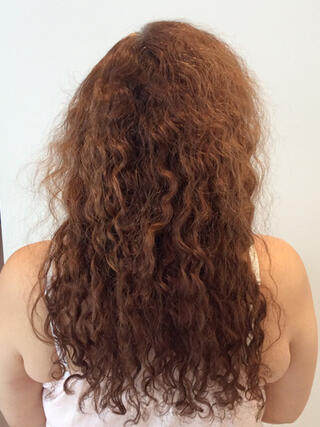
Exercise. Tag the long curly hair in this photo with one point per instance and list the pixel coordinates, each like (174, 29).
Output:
(156, 167)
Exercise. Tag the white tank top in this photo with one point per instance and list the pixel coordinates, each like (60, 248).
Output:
(62, 410)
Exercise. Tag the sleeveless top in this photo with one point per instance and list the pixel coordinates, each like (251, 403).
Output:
(62, 410)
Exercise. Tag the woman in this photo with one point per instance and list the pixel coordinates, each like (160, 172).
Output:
(160, 297)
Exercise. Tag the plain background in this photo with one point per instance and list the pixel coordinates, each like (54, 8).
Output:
(48, 48)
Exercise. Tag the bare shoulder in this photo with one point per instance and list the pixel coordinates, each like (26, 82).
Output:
(285, 275)
(17, 278)
(285, 263)
(280, 250)
(31, 252)
(19, 274)
(27, 259)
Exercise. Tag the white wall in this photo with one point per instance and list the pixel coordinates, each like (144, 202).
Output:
(49, 47)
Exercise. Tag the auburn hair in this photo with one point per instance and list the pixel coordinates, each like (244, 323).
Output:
(156, 167)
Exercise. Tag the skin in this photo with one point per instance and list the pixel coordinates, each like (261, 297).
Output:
(25, 361)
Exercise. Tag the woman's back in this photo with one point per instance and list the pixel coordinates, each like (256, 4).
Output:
(297, 344)
(283, 402)
(62, 408)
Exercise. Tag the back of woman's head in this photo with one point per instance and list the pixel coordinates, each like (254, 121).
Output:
(154, 165)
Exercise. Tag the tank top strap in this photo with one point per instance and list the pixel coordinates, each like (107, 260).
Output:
(255, 262)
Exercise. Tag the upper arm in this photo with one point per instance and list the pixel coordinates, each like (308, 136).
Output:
(15, 384)
(11, 362)
(287, 397)
(17, 277)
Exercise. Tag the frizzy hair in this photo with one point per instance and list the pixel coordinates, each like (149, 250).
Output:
(156, 167)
